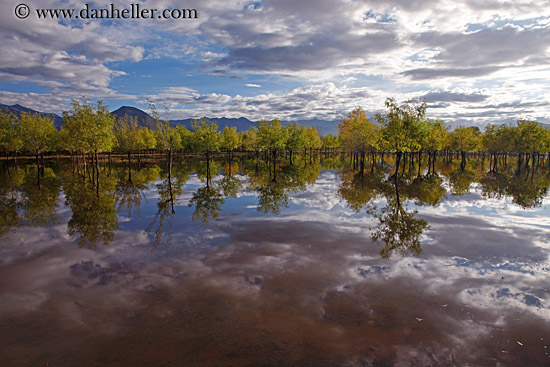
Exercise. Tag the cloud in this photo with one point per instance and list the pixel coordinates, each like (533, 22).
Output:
(61, 56)
(177, 96)
(324, 101)
(444, 96)
(335, 55)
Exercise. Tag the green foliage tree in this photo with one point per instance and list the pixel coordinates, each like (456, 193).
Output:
(167, 137)
(465, 139)
(330, 142)
(359, 135)
(401, 126)
(10, 140)
(272, 137)
(434, 140)
(128, 135)
(37, 135)
(230, 139)
(531, 139)
(297, 138)
(249, 139)
(207, 139)
(185, 137)
(88, 129)
(313, 141)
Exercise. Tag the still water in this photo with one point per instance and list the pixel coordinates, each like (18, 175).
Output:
(321, 265)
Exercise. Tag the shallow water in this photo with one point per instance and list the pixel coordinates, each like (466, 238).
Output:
(165, 271)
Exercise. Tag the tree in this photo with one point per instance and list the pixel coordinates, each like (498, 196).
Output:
(249, 139)
(435, 139)
(167, 137)
(88, 129)
(185, 137)
(330, 142)
(37, 135)
(492, 141)
(148, 140)
(272, 137)
(464, 140)
(359, 134)
(531, 140)
(207, 139)
(230, 139)
(296, 138)
(10, 140)
(401, 125)
(312, 141)
(128, 135)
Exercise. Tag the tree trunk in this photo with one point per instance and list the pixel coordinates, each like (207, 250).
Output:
(398, 160)
(37, 169)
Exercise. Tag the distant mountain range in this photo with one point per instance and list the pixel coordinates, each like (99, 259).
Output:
(18, 109)
(324, 127)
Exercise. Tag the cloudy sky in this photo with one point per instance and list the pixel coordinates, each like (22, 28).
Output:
(474, 62)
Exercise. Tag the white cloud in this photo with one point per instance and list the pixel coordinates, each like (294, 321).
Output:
(344, 53)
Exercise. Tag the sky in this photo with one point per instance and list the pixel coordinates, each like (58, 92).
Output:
(473, 62)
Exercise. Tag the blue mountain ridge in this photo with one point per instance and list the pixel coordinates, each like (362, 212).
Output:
(324, 127)
(17, 109)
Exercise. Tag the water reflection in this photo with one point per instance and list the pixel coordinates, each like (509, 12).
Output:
(527, 188)
(250, 270)
(93, 207)
(25, 200)
(396, 227)
(172, 178)
(378, 193)
(129, 192)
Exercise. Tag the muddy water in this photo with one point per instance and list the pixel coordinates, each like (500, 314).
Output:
(302, 287)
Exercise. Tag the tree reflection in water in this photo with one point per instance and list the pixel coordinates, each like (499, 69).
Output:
(396, 227)
(24, 200)
(169, 189)
(129, 192)
(527, 188)
(95, 206)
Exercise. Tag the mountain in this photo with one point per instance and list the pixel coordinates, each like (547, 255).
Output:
(324, 127)
(143, 118)
(242, 123)
(18, 109)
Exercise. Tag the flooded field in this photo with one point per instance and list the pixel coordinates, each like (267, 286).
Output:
(321, 265)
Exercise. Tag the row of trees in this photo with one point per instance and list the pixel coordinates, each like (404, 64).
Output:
(404, 129)
(89, 129)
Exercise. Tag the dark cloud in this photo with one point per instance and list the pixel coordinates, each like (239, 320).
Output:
(318, 52)
(481, 49)
(442, 96)
(434, 73)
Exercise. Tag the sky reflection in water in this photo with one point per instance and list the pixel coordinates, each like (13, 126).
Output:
(247, 271)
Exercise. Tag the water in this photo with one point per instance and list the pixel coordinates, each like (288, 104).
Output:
(151, 269)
